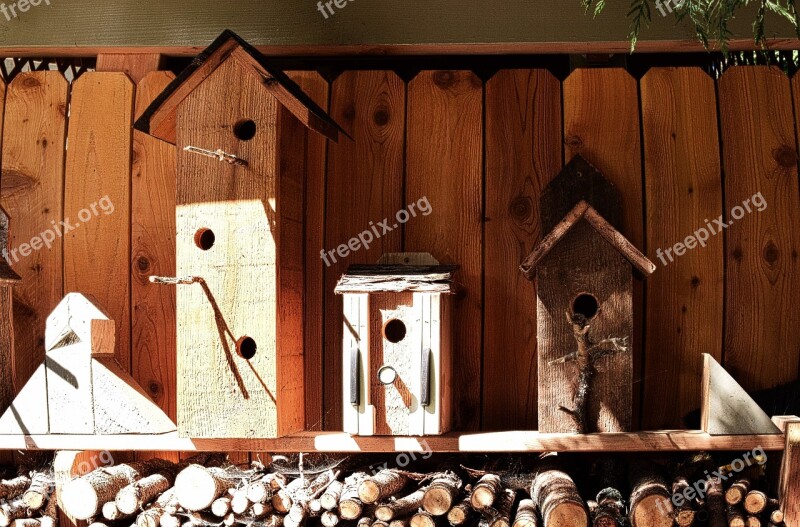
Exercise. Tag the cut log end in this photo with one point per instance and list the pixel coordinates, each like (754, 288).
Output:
(685, 517)
(197, 487)
(653, 511)
(79, 499)
(438, 501)
(755, 502)
(567, 515)
(350, 509)
(369, 491)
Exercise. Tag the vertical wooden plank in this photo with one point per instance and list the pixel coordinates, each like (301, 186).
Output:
(317, 88)
(32, 192)
(5, 457)
(444, 164)
(97, 198)
(790, 475)
(153, 328)
(135, 65)
(683, 190)
(523, 152)
(763, 271)
(365, 179)
(601, 122)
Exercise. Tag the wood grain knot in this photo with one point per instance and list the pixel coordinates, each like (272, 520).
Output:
(62, 109)
(444, 79)
(143, 264)
(695, 282)
(771, 253)
(349, 112)
(30, 82)
(737, 254)
(154, 388)
(381, 117)
(573, 142)
(785, 156)
(15, 181)
(521, 208)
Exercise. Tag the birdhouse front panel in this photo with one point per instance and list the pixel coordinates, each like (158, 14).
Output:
(584, 275)
(239, 228)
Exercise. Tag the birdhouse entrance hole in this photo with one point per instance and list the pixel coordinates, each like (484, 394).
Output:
(204, 238)
(245, 129)
(246, 347)
(586, 305)
(394, 331)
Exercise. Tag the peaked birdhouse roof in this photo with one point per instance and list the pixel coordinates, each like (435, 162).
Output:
(160, 118)
(7, 274)
(584, 211)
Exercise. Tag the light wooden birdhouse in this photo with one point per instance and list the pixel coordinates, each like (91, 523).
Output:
(8, 278)
(396, 353)
(584, 270)
(240, 128)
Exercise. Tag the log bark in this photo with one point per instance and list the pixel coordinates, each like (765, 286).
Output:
(462, 512)
(404, 506)
(281, 501)
(500, 514)
(366, 521)
(486, 491)
(197, 487)
(138, 494)
(350, 505)
(399, 522)
(380, 523)
(382, 485)
(330, 498)
(149, 518)
(239, 501)
(50, 512)
(753, 521)
(609, 510)
(557, 498)
(220, 507)
(11, 488)
(298, 513)
(715, 503)
(423, 519)
(13, 510)
(442, 493)
(755, 502)
(260, 510)
(774, 512)
(737, 491)
(650, 503)
(259, 492)
(168, 519)
(329, 519)
(526, 514)
(41, 487)
(112, 513)
(27, 522)
(735, 517)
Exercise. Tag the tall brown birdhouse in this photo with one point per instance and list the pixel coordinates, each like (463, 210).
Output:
(7, 280)
(584, 271)
(240, 128)
(397, 347)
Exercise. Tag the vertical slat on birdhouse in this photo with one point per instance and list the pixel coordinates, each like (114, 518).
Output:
(584, 263)
(240, 230)
(436, 344)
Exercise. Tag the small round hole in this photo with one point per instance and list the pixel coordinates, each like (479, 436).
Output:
(245, 130)
(394, 331)
(387, 375)
(246, 347)
(204, 238)
(585, 305)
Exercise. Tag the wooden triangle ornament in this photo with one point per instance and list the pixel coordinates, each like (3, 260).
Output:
(727, 409)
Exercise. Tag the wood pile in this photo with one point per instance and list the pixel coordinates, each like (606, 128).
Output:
(194, 494)
(28, 500)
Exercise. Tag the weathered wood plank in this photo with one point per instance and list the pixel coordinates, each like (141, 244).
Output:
(683, 190)
(364, 184)
(444, 158)
(760, 159)
(790, 475)
(153, 326)
(523, 152)
(32, 187)
(97, 197)
(317, 88)
(601, 122)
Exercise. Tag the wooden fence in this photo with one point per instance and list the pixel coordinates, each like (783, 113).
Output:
(682, 148)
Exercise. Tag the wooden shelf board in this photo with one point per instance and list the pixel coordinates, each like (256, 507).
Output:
(529, 441)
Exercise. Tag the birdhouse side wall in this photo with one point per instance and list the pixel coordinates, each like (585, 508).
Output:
(251, 282)
(6, 346)
(583, 263)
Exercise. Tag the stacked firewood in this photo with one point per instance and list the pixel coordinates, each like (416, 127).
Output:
(28, 501)
(196, 494)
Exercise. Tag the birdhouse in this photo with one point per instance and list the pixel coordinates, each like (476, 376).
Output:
(7, 280)
(397, 344)
(584, 271)
(239, 125)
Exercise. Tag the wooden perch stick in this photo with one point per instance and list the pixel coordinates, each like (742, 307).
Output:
(382, 485)
(442, 493)
(402, 507)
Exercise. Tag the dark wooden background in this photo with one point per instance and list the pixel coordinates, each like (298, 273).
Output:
(682, 148)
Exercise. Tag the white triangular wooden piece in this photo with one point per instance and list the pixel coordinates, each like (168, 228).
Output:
(726, 408)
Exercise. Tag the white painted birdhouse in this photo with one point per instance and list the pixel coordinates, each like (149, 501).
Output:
(397, 347)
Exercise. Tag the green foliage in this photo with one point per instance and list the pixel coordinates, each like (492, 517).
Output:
(710, 18)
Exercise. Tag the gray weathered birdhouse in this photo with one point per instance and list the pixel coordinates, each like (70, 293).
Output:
(584, 286)
(397, 345)
(8, 278)
(240, 128)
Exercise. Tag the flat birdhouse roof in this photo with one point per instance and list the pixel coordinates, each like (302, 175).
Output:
(584, 211)
(397, 279)
(160, 118)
